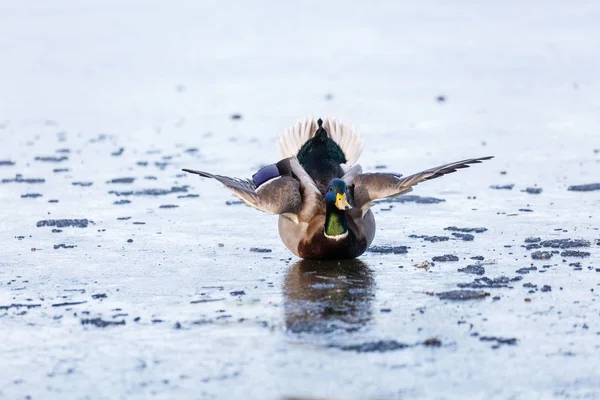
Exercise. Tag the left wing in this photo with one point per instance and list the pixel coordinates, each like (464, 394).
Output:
(373, 186)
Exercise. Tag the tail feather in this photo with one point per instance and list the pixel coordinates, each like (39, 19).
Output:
(292, 139)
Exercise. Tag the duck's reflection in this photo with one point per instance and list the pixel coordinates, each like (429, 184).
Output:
(325, 296)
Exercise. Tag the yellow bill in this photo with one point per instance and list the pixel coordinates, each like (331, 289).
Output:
(341, 202)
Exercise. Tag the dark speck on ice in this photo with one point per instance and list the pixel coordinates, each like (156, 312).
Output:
(575, 253)
(31, 195)
(100, 323)
(65, 223)
(168, 206)
(161, 165)
(585, 188)
(17, 306)
(462, 295)
(463, 236)
(499, 340)
(503, 187)
(19, 179)
(121, 180)
(485, 282)
(473, 269)
(526, 270)
(82, 184)
(64, 246)
(465, 230)
(121, 202)
(100, 138)
(6, 163)
(66, 304)
(432, 342)
(532, 190)
(380, 346)
(389, 249)
(445, 258)
(206, 300)
(432, 239)
(260, 250)
(52, 159)
(565, 243)
(533, 240)
(412, 199)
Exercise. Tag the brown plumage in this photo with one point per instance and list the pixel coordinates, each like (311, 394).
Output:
(318, 221)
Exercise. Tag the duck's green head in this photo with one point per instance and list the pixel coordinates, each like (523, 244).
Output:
(337, 195)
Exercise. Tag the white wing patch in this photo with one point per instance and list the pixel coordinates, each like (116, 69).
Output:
(267, 183)
(293, 138)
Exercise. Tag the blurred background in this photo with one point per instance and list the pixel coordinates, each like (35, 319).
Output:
(103, 102)
(187, 66)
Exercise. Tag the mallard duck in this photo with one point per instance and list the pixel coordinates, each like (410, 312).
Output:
(320, 193)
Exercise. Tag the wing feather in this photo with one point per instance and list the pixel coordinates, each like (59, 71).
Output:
(280, 195)
(373, 186)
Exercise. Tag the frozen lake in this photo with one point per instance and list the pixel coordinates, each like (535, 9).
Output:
(161, 284)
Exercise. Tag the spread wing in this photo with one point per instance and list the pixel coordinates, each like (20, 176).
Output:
(374, 186)
(275, 189)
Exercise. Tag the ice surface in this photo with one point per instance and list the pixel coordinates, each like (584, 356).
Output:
(188, 301)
